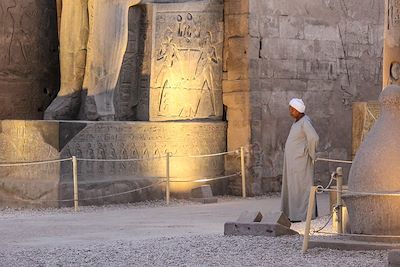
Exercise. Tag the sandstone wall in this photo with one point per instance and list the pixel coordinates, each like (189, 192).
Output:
(327, 52)
(29, 57)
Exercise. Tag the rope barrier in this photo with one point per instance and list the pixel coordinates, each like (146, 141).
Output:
(120, 180)
(101, 197)
(325, 225)
(334, 160)
(124, 193)
(120, 160)
(360, 235)
(30, 163)
(205, 180)
(370, 113)
(320, 189)
(208, 155)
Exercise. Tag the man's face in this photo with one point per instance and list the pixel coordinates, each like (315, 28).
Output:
(293, 112)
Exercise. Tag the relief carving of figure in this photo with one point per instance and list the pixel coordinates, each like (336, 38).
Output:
(185, 64)
(93, 41)
(205, 70)
(19, 37)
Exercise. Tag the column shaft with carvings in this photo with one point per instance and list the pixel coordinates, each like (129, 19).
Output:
(391, 50)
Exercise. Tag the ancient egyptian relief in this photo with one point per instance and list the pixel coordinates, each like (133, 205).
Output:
(394, 14)
(186, 65)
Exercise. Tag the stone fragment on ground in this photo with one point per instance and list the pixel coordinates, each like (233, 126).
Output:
(255, 224)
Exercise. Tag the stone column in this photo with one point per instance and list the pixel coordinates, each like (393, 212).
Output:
(186, 84)
(391, 50)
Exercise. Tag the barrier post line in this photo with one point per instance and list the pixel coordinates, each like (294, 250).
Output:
(167, 176)
(243, 171)
(310, 211)
(75, 179)
(339, 184)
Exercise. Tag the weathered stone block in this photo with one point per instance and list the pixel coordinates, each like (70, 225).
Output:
(236, 7)
(291, 27)
(268, 26)
(321, 32)
(237, 60)
(257, 229)
(284, 69)
(235, 85)
(356, 32)
(43, 185)
(277, 217)
(236, 25)
(203, 191)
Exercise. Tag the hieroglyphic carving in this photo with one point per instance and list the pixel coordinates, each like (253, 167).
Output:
(186, 62)
(29, 57)
(365, 115)
(394, 14)
(28, 141)
(126, 91)
(146, 141)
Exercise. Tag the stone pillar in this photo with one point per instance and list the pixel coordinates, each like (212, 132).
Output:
(236, 85)
(391, 50)
(186, 80)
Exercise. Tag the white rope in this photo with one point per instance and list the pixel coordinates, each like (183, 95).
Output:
(370, 113)
(106, 196)
(320, 189)
(334, 160)
(360, 235)
(208, 155)
(120, 160)
(30, 163)
(118, 180)
(205, 179)
(123, 193)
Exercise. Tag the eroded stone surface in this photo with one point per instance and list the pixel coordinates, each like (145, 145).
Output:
(90, 59)
(375, 170)
(29, 58)
(257, 229)
(149, 142)
(186, 71)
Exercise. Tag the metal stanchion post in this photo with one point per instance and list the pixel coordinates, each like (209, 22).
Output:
(339, 184)
(167, 176)
(75, 180)
(243, 171)
(310, 211)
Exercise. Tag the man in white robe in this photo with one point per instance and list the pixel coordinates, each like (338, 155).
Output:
(298, 164)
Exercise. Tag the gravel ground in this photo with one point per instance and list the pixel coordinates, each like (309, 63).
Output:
(203, 245)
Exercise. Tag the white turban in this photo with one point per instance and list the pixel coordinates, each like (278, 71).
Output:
(297, 104)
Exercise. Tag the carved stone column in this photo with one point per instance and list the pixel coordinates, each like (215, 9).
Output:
(391, 50)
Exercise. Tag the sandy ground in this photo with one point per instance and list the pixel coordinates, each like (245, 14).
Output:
(152, 234)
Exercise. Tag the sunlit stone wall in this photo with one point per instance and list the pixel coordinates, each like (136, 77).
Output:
(28, 58)
(186, 62)
(41, 185)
